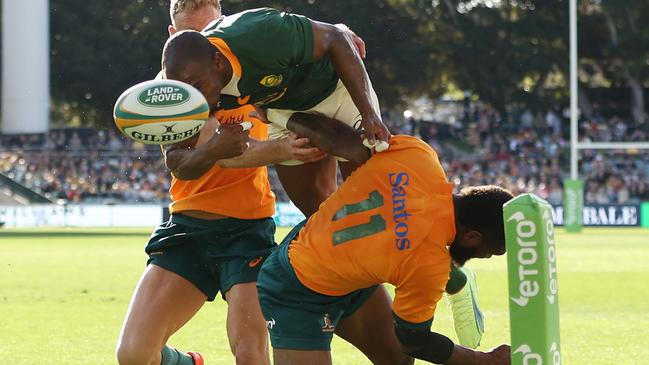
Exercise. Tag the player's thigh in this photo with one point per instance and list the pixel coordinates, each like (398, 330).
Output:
(162, 303)
(246, 326)
(309, 184)
(298, 319)
(347, 112)
(370, 329)
(295, 357)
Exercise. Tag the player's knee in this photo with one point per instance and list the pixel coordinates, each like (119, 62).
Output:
(250, 353)
(248, 357)
(131, 354)
(390, 354)
(392, 359)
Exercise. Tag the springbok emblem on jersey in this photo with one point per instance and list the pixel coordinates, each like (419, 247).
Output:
(272, 80)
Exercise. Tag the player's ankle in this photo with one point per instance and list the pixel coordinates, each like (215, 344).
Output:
(196, 357)
(171, 356)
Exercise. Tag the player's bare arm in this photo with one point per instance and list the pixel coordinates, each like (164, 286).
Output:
(194, 161)
(464, 356)
(333, 136)
(188, 161)
(263, 153)
(439, 349)
(336, 43)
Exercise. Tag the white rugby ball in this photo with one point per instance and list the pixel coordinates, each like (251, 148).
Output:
(161, 112)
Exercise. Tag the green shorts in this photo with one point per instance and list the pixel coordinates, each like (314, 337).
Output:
(297, 317)
(213, 255)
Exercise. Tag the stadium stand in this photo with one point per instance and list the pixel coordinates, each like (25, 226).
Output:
(75, 165)
(528, 152)
(525, 152)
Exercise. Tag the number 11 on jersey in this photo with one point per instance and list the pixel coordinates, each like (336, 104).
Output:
(375, 225)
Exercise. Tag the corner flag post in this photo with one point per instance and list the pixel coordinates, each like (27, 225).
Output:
(533, 289)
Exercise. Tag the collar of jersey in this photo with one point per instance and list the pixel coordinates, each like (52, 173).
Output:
(232, 87)
(227, 52)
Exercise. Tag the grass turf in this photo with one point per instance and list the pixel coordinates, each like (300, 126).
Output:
(64, 293)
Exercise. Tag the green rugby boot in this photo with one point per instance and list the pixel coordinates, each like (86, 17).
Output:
(467, 317)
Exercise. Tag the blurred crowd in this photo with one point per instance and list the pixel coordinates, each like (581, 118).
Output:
(525, 152)
(529, 152)
(75, 165)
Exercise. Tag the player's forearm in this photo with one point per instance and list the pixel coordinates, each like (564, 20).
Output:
(190, 163)
(260, 153)
(425, 345)
(464, 356)
(437, 348)
(331, 135)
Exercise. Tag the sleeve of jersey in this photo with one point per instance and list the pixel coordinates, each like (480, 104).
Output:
(289, 38)
(416, 295)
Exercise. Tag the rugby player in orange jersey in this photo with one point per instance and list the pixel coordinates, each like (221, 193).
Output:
(287, 64)
(219, 221)
(394, 220)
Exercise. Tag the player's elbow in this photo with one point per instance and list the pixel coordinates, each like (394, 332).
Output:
(180, 169)
(184, 175)
(410, 344)
(181, 173)
(425, 345)
(336, 36)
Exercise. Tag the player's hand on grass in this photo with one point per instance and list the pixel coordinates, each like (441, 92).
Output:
(374, 131)
(500, 355)
(300, 148)
(230, 140)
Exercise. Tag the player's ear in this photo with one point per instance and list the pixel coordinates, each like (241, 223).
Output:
(472, 238)
(218, 60)
(172, 30)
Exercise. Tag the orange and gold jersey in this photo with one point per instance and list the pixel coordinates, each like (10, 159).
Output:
(390, 222)
(234, 192)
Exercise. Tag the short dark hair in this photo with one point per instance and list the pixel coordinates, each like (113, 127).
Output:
(481, 208)
(182, 48)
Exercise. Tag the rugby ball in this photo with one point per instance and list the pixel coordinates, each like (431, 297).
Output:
(161, 112)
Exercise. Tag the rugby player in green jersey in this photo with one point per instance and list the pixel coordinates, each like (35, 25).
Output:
(283, 63)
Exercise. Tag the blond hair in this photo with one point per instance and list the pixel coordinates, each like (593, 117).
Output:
(178, 6)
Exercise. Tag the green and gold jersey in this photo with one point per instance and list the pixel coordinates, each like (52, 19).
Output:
(271, 56)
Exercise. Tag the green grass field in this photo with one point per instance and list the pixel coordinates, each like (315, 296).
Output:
(63, 295)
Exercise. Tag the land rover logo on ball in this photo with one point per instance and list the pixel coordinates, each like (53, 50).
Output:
(163, 96)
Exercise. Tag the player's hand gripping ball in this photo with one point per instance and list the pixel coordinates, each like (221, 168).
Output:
(161, 112)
